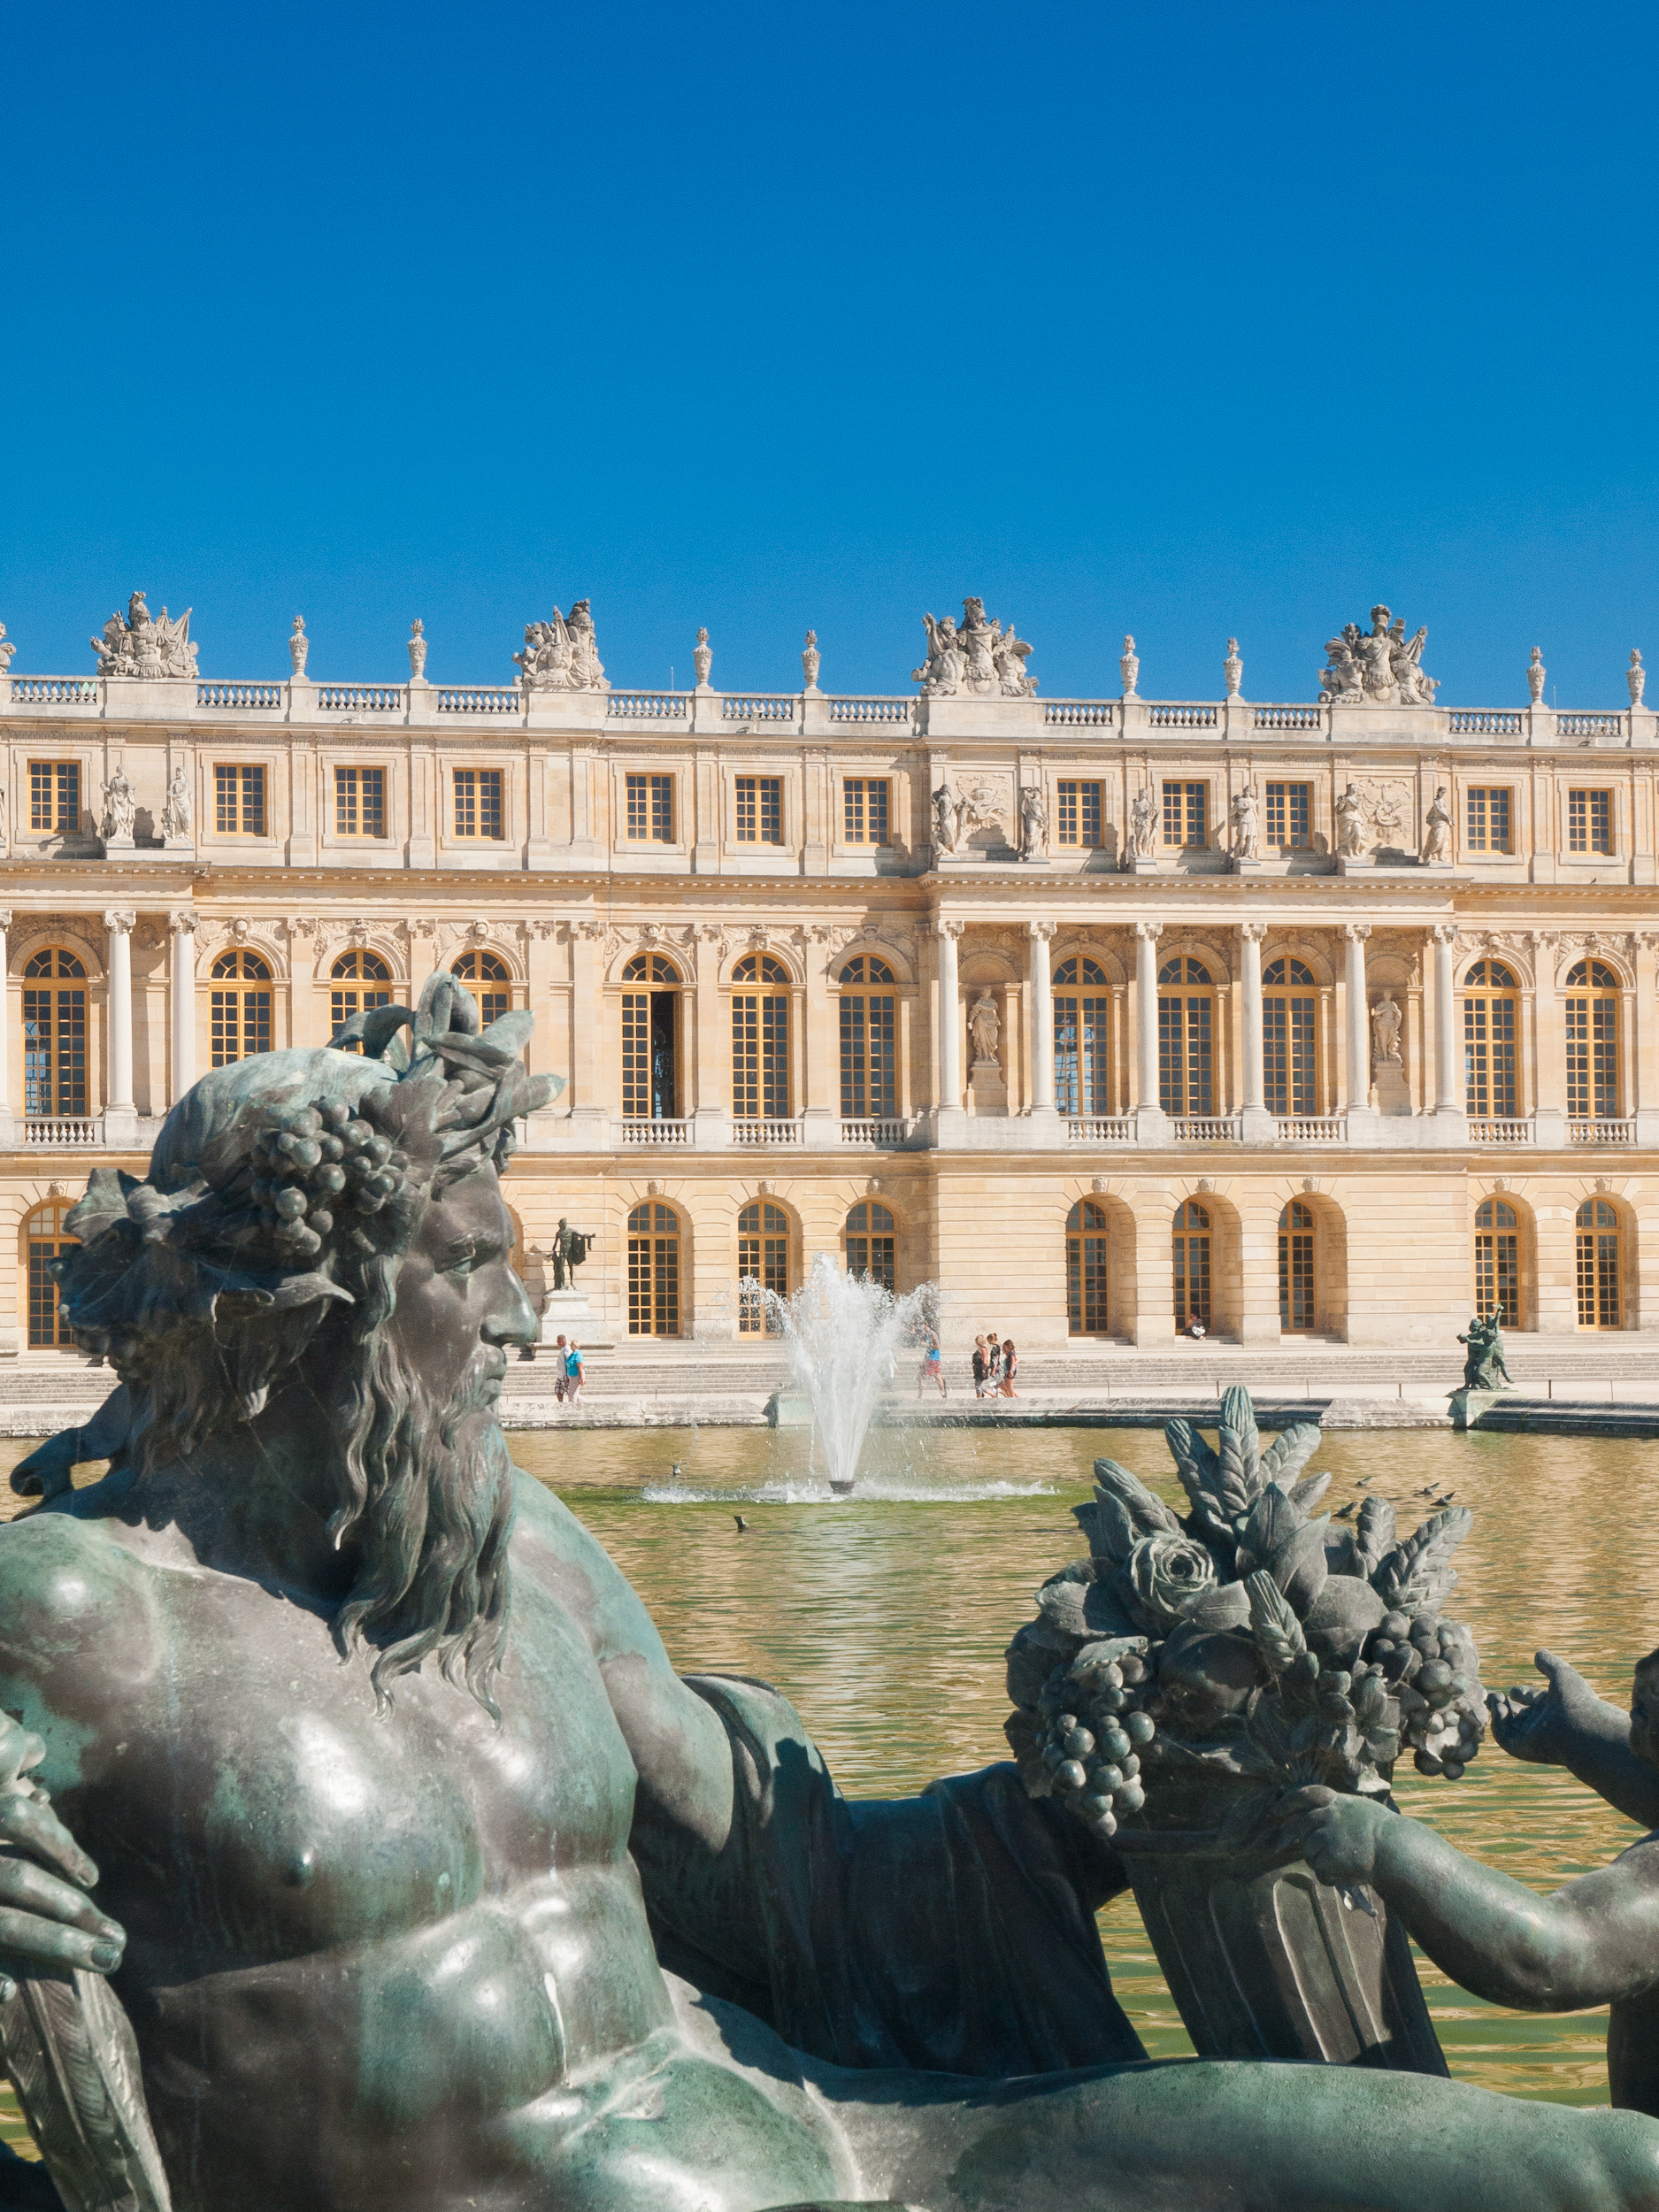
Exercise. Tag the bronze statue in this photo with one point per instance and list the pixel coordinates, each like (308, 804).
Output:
(1484, 1368)
(568, 1250)
(350, 1762)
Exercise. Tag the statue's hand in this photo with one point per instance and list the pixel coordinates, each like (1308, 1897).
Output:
(1337, 1835)
(46, 1919)
(45, 1472)
(1541, 1724)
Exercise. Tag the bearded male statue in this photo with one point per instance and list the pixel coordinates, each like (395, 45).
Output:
(344, 1757)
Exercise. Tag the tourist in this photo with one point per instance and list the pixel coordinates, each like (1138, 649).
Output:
(1010, 1368)
(993, 1360)
(573, 1375)
(1195, 1327)
(932, 1366)
(559, 1370)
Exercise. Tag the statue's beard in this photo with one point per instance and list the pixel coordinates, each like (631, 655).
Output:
(429, 1508)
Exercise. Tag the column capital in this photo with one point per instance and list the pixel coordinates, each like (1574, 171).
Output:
(5, 917)
(1357, 932)
(120, 921)
(939, 927)
(1045, 930)
(181, 919)
(1445, 932)
(1253, 932)
(1149, 932)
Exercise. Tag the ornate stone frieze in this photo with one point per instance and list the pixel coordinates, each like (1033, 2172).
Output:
(143, 645)
(1379, 668)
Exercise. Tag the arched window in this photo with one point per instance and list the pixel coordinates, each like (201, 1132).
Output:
(365, 971)
(1497, 1261)
(490, 979)
(1295, 1268)
(870, 1240)
(1289, 1058)
(653, 1270)
(869, 1018)
(760, 1040)
(650, 1038)
(762, 1265)
(1086, 1239)
(1489, 1005)
(54, 1034)
(1191, 1256)
(1597, 1240)
(1081, 1062)
(1187, 1010)
(1590, 1011)
(240, 1007)
(43, 1238)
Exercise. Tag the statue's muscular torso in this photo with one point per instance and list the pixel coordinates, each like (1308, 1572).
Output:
(427, 1929)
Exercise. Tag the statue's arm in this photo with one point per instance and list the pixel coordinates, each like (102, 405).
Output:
(1567, 1724)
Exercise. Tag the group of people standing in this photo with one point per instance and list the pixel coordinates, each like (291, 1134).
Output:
(995, 1364)
(568, 1377)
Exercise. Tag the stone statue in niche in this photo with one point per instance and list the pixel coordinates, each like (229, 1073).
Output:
(1437, 831)
(1385, 1022)
(121, 803)
(1485, 1367)
(141, 645)
(779, 1994)
(1033, 823)
(1350, 823)
(567, 1251)
(985, 1029)
(980, 657)
(1244, 825)
(561, 655)
(175, 814)
(1143, 826)
(946, 820)
(1381, 667)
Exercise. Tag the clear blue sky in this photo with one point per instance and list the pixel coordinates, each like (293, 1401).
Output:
(1183, 319)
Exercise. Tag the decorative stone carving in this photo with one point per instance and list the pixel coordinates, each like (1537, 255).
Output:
(1143, 825)
(810, 658)
(1232, 668)
(561, 654)
(1635, 676)
(1033, 823)
(1350, 823)
(703, 659)
(980, 657)
(6, 650)
(417, 642)
(1382, 668)
(175, 815)
(119, 805)
(142, 645)
(1244, 825)
(1437, 833)
(1385, 1022)
(985, 1027)
(1535, 674)
(981, 807)
(1129, 668)
(947, 819)
(299, 645)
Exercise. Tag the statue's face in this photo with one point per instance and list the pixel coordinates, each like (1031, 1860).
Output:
(456, 1290)
(1644, 1711)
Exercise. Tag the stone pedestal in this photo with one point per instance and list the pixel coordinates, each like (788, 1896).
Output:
(568, 1313)
(1467, 1406)
(1132, 866)
(1389, 1087)
(986, 1090)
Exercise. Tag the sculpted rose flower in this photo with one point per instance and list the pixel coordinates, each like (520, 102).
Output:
(1166, 1573)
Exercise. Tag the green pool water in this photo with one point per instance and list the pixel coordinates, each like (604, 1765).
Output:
(884, 1617)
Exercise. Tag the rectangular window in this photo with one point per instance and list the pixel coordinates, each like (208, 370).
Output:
(1592, 1026)
(1295, 1280)
(1589, 821)
(477, 802)
(1287, 815)
(1079, 813)
(868, 1056)
(651, 808)
(864, 811)
(55, 796)
(1085, 1257)
(1287, 1055)
(1079, 1055)
(1487, 820)
(1489, 1058)
(238, 799)
(1191, 1255)
(762, 1259)
(760, 1056)
(760, 810)
(47, 1326)
(1185, 1058)
(1498, 1275)
(54, 1051)
(1186, 813)
(359, 802)
(240, 1025)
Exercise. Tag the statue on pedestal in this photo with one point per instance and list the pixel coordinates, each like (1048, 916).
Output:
(1484, 1368)
(1437, 833)
(1350, 823)
(1536, 672)
(567, 1251)
(1385, 1021)
(417, 643)
(946, 820)
(1244, 835)
(121, 802)
(561, 655)
(141, 645)
(811, 660)
(985, 1027)
(1033, 823)
(1143, 826)
(175, 814)
(299, 645)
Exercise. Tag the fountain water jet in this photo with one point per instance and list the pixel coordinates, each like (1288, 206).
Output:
(843, 1331)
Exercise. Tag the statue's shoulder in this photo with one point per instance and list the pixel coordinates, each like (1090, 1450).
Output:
(63, 1574)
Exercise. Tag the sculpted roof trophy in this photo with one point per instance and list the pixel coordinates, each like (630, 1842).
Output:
(561, 654)
(1380, 667)
(146, 646)
(980, 659)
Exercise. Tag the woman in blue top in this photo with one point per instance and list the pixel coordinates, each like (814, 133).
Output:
(933, 1367)
(574, 1376)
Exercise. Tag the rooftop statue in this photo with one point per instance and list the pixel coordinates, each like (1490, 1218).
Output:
(561, 654)
(981, 659)
(1381, 667)
(140, 644)
(397, 1868)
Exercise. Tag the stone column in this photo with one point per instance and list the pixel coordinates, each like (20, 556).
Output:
(710, 1097)
(1550, 1073)
(5, 1029)
(1150, 1121)
(120, 1114)
(1448, 1100)
(820, 1102)
(181, 924)
(1360, 1118)
(1259, 1126)
(948, 1087)
(1038, 936)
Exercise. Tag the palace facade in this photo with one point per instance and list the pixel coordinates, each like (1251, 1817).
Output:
(1331, 1020)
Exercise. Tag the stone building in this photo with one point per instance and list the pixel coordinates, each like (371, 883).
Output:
(1326, 1021)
